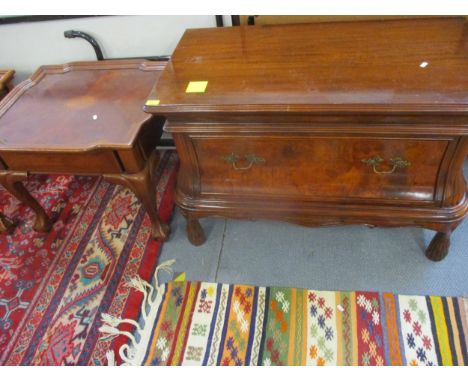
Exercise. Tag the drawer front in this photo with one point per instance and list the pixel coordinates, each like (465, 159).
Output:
(305, 167)
(95, 162)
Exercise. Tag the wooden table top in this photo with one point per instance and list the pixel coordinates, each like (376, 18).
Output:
(78, 106)
(375, 66)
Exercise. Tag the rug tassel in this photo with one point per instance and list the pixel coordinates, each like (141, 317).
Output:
(152, 296)
(110, 358)
(114, 332)
(116, 321)
(124, 356)
(165, 266)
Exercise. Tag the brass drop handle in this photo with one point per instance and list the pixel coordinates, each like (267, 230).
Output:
(250, 158)
(397, 162)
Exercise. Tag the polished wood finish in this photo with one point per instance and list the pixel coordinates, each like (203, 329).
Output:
(317, 168)
(323, 124)
(83, 118)
(92, 104)
(362, 67)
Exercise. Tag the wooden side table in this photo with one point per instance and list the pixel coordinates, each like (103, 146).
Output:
(6, 225)
(83, 118)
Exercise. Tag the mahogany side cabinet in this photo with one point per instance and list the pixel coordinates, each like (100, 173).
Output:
(322, 124)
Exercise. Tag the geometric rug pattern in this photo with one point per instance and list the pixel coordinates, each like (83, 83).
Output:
(200, 323)
(54, 286)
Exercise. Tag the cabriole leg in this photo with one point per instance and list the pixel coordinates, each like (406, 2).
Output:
(142, 184)
(12, 183)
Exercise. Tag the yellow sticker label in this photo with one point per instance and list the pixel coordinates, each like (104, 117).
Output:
(196, 87)
(180, 277)
(152, 102)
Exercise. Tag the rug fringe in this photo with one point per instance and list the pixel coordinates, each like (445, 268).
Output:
(110, 358)
(133, 354)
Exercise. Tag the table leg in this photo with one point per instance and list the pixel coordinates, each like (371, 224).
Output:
(6, 225)
(142, 184)
(439, 246)
(12, 183)
(195, 232)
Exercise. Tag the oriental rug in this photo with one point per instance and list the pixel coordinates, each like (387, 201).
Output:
(54, 286)
(201, 323)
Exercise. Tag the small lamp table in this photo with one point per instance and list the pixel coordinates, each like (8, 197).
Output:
(83, 118)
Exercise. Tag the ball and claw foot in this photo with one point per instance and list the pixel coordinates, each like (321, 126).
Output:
(42, 223)
(195, 232)
(6, 225)
(160, 231)
(439, 246)
(12, 182)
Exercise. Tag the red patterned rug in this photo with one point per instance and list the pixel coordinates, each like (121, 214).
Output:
(55, 286)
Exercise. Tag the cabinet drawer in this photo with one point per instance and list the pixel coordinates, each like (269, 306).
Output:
(308, 167)
(93, 162)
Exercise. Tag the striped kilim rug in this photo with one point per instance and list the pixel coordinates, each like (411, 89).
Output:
(200, 323)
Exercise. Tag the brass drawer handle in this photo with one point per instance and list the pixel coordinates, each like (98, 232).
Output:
(250, 158)
(397, 162)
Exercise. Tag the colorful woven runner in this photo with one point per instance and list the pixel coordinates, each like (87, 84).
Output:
(54, 286)
(199, 323)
